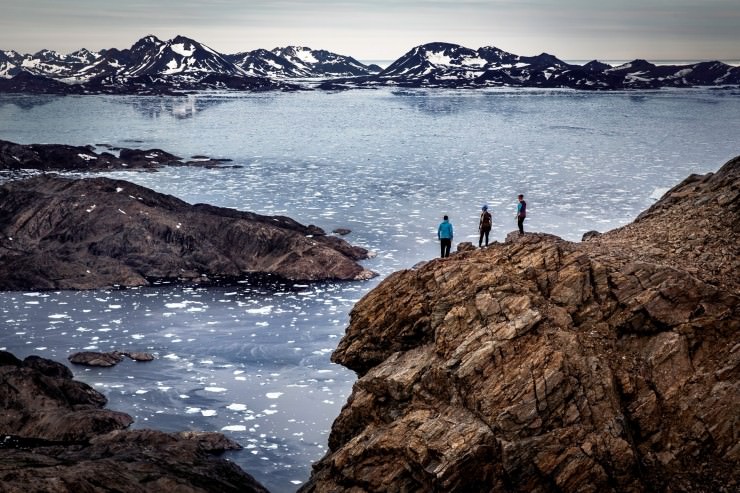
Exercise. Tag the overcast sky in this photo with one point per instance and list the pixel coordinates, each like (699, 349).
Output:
(386, 29)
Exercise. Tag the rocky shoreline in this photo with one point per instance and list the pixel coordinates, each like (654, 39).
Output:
(544, 365)
(60, 157)
(56, 436)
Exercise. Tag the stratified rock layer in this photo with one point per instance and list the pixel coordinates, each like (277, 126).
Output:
(542, 365)
(55, 437)
(60, 233)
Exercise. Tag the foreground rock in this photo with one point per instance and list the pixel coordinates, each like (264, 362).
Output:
(56, 437)
(60, 233)
(58, 157)
(542, 365)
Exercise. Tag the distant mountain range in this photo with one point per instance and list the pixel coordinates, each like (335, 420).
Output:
(153, 66)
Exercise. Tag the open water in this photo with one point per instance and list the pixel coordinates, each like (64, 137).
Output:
(387, 164)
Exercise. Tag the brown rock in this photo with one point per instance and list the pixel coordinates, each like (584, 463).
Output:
(93, 358)
(544, 365)
(139, 356)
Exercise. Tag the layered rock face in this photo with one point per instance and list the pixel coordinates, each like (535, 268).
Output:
(55, 436)
(59, 233)
(542, 365)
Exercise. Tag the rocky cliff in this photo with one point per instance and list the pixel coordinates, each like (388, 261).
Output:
(56, 437)
(61, 233)
(542, 365)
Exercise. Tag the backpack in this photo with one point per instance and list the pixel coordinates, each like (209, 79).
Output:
(485, 223)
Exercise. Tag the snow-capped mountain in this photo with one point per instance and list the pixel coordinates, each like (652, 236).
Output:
(450, 65)
(439, 60)
(153, 66)
(46, 63)
(10, 62)
(265, 63)
(322, 63)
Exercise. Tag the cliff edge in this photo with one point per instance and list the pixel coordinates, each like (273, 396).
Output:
(542, 365)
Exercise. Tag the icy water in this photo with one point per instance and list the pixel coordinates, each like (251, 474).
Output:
(387, 164)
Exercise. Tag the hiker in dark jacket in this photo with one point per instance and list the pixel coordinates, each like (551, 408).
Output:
(444, 233)
(484, 225)
(521, 213)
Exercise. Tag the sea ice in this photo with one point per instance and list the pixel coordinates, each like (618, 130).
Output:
(234, 428)
(236, 407)
(215, 389)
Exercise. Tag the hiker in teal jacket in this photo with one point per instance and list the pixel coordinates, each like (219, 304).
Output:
(444, 233)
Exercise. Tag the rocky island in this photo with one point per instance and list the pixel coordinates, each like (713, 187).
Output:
(542, 365)
(60, 157)
(65, 233)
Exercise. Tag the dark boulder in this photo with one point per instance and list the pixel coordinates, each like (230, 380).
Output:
(93, 358)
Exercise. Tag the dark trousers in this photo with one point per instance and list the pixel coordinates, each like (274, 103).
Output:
(483, 233)
(520, 223)
(446, 244)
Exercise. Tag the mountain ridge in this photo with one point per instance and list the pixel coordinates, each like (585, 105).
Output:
(154, 66)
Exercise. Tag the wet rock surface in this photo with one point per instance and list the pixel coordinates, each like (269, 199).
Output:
(61, 233)
(55, 436)
(544, 365)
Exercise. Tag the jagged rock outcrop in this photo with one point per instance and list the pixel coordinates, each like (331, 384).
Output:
(61, 233)
(55, 437)
(542, 365)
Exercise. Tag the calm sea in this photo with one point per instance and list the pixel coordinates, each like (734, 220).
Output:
(386, 164)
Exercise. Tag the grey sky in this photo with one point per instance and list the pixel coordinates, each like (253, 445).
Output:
(385, 29)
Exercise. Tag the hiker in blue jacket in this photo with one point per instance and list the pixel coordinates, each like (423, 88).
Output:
(521, 213)
(444, 233)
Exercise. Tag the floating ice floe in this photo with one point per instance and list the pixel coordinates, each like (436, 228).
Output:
(265, 310)
(273, 395)
(215, 389)
(234, 428)
(236, 407)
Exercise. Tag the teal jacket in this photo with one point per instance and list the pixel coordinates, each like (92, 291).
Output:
(444, 230)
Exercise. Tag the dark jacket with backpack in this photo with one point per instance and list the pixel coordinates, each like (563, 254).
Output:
(485, 221)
